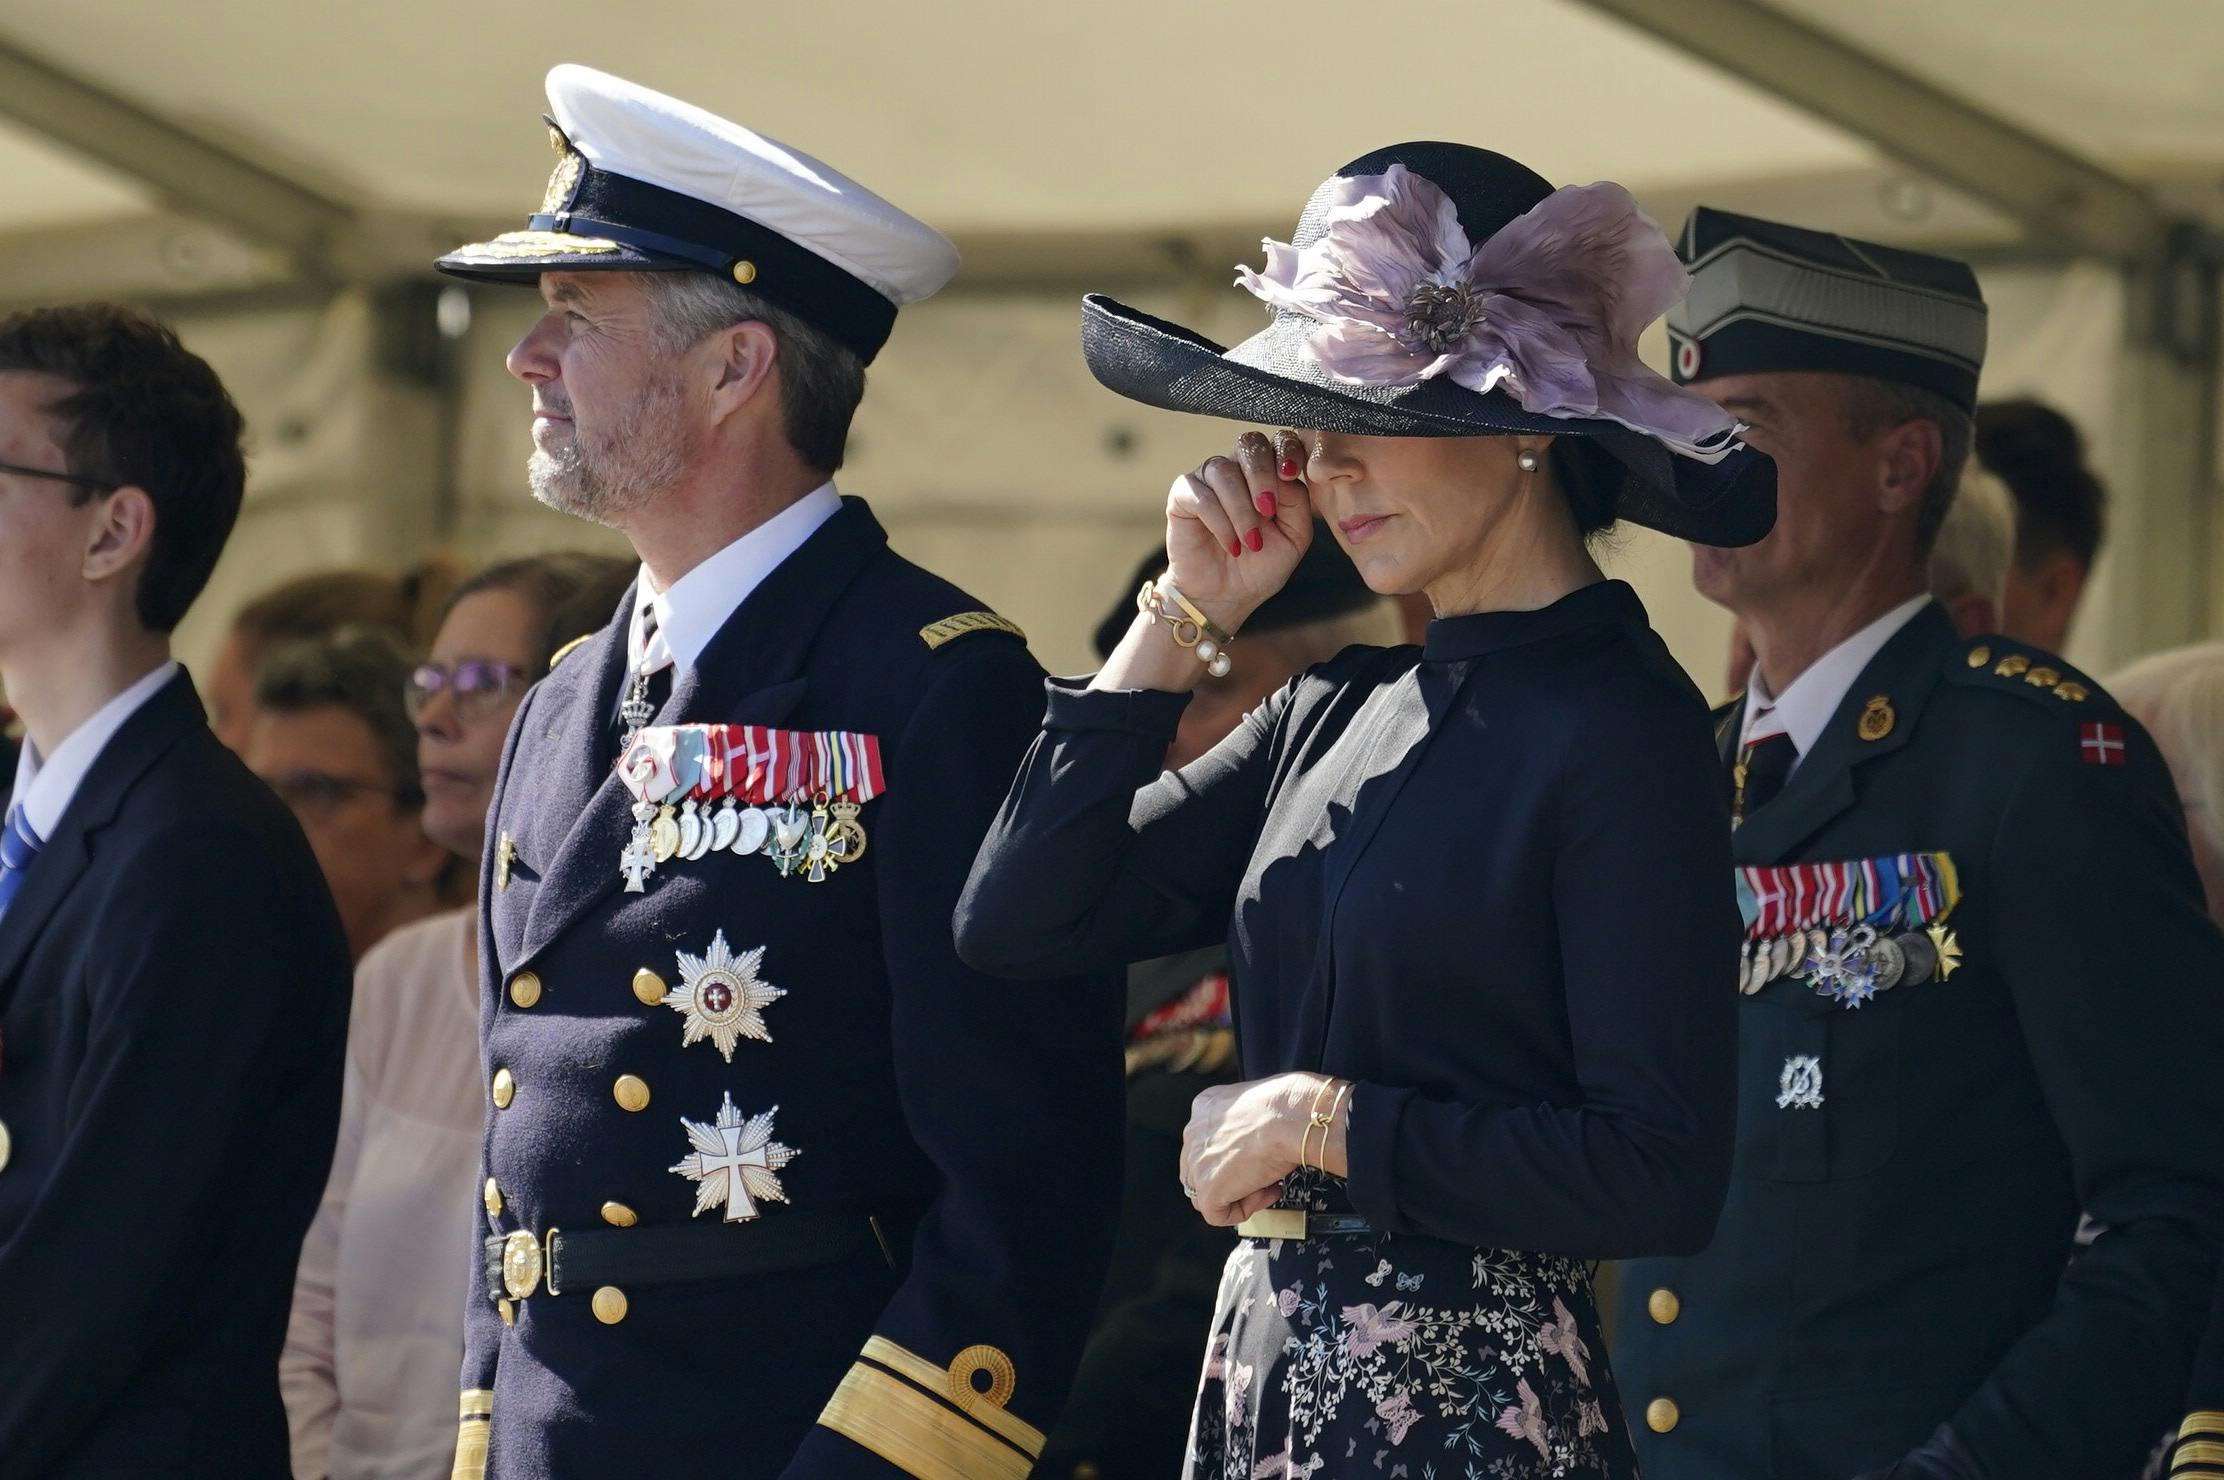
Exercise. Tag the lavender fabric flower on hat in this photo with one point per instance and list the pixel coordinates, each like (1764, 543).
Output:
(1548, 308)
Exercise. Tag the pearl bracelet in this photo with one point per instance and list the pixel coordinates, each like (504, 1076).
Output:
(1191, 627)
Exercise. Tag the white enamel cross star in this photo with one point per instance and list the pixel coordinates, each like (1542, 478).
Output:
(723, 997)
(735, 1162)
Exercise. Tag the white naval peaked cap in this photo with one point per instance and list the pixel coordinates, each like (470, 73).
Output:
(646, 182)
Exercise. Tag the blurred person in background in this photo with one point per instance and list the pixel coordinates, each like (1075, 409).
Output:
(2061, 516)
(373, 1345)
(1945, 1055)
(330, 735)
(404, 606)
(2179, 696)
(1128, 1417)
(1973, 550)
(173, 979)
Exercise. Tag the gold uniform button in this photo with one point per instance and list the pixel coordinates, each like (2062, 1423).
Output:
(609, 1305)
(1979, 656)
(631, 1092)
(648, 986)
(745, 272)
(525, 989)
(618, 1215)
(1664, 1307)
(1662, 1414)
(493, 1199)
(505, 1087)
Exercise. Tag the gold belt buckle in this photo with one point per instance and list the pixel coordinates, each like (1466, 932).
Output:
(524, 1260)
(1273, 1223)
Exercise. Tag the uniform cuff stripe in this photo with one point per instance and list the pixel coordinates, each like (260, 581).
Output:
(957, 1389)
(914, 1432)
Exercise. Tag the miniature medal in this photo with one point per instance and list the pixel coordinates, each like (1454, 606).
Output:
(1887, 962)
(752, 827)
(638, 858)
(791, 837)
(691, 830)
(723, 997)
(1948, 949)
(703, 831)
(664, 834)
(1783, 955)
(1745, 969)
(847, 841)
(734, 1162)
(1915, 949)
(724, 827)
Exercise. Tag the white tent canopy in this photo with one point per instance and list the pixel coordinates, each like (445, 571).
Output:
(279, 175)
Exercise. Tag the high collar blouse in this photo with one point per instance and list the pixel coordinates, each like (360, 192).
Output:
(1487, 879)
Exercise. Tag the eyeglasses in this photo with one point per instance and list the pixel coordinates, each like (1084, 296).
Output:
(317, 796)
(93, 485)
(479, 685)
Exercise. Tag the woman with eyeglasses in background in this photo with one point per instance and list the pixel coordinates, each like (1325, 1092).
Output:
(369, 1367)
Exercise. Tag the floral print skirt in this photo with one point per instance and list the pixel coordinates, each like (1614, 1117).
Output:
(1380, 1355)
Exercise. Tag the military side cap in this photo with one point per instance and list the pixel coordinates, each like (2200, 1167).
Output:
(647, 183)
(1766, 296)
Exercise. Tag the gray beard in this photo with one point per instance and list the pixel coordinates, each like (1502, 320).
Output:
(620, 474)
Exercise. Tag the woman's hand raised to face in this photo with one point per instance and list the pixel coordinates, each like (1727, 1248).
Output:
(1236, 526)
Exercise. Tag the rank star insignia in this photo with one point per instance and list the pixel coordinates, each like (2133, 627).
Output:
(723, 997)
(735, 1162)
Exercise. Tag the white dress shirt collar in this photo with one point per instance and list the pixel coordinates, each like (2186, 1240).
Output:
(1803, 710)
(689, 615)
(45, 785)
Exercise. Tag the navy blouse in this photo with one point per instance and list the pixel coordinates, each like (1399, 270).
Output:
(1488, 879)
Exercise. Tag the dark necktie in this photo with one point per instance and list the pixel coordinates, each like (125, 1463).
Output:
(18, 847)
(1762, 769)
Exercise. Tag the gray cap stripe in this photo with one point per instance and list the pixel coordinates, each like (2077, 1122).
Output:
(1742, 279)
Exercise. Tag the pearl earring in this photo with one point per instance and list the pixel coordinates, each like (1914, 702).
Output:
(1527, 461)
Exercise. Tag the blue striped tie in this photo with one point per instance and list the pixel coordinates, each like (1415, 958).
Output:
(18, 847)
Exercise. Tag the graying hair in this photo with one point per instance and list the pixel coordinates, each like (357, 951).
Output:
(1873, 406)
(1977, 542)
(2179, 696)
(821, 379)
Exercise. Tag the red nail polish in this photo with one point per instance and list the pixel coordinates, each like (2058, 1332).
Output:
(1265, 504)
(1254, 539)
(1235, 547)
(1289, 469)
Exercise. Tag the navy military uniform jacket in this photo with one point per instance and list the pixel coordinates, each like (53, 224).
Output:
(971, 1124)
(1896, 1252)
(173, 1022)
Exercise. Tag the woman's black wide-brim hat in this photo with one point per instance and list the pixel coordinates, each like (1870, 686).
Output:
(1273, 379)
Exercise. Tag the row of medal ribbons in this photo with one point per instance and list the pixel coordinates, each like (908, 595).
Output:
(1850, 928)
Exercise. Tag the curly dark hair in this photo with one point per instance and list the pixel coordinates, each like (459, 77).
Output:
(142, 412)
(359, 669)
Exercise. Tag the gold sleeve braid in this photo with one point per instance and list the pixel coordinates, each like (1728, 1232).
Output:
(931, 1422)
(471, 1435)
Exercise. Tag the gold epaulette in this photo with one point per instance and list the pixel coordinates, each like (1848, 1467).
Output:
(932, 1422)
(2200, 1446)
(566, 650)
(949, 629)
(1992, 662)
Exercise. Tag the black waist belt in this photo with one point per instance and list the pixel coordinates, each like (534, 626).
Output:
(1298, 1224)
(671, 1253)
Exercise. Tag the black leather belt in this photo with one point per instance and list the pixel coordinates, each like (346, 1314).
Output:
(517, 1264)
(1298, 1224)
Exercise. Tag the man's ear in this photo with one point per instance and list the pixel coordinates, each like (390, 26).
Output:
(748, 360)
(1909, 454)
(123, 537)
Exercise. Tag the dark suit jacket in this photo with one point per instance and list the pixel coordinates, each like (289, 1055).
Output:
(1901, 1254)
(174, 998)
(983, 1114)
